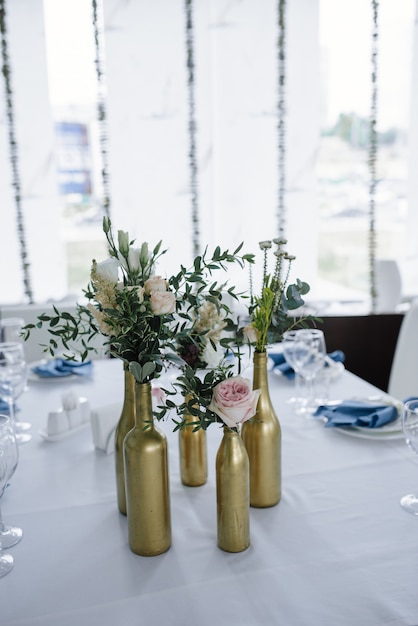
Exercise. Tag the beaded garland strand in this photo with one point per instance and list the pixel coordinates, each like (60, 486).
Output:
(14, 154)
(192, 127)
(373, 158)
(97, 9)
(281, 106)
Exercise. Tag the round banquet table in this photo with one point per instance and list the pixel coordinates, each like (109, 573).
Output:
(337, 551)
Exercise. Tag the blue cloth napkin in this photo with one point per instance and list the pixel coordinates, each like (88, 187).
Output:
(61, 367)
(287, 370)
(357, 413)
(4, 407)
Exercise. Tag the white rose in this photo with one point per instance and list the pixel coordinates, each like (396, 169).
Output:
(162, 302)
(155, 283)
(108, 269)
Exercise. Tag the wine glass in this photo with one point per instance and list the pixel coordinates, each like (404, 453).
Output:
(13, 376)
(6, 560)
(304, 350)
(9, 535)
(10, 329)
(295, 353)
(314, 363)
(410, 430)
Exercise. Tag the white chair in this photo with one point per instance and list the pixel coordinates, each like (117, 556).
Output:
(388, 285)
(33, 347)
(403, 378)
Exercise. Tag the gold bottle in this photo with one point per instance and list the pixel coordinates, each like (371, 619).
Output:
(147, 480)
(125, 424)
(193, 455)
(262, 438)
(232, 493)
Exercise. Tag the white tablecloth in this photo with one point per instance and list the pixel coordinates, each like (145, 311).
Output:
(337, 551)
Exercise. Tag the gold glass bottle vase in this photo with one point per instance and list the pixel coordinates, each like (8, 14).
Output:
(262, 438)
(232, 493)
(125, 424)
(193, 454)
(147, 480)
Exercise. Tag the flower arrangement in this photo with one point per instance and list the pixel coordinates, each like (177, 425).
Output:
(201, 342)
(269, 311)
(135, 309)
(217, 397)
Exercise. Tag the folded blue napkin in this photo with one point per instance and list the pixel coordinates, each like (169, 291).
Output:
(287, 370)
(4, 407)
(61, 367)
(357, 413)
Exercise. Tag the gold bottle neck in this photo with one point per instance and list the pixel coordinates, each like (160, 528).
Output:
(143, 404)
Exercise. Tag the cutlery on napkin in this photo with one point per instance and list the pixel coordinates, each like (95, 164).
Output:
(357, 413)
(61, 367)
(282, 366)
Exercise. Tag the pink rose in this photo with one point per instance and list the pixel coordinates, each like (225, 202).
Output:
(162, 302)
(155, 283)
(158, 397)
(234, 401)
(250, 333)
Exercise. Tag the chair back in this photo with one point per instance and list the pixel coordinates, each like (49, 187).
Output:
(388, 286)
(403, 379)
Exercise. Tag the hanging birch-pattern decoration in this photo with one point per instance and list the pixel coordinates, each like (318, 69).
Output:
(281, 110)
(372, 161)
(14, 154)
(192, 127)
(98, 21)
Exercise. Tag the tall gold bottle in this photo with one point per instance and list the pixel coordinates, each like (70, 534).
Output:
(147, 480)
(125, 424)
(262, 438)
(232, 493)
(193, 455)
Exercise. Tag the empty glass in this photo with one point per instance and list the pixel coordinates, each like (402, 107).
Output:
(13, 377)
(410, 430)
(9, 535)
(10, 329)
(304, 350)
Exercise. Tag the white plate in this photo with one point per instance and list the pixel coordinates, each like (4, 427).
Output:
(389, 431)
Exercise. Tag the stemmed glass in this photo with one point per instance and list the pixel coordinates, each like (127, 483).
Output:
(10, 329)
(304, 350)
(410, 430)
(9, 535)
(315, 361)
(13, 376)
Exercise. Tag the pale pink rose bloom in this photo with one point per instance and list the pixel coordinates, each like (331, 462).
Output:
(155, 283)
(234, 400)
(162, 302)
(108, 269)
(250, 333)
(158, 397)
